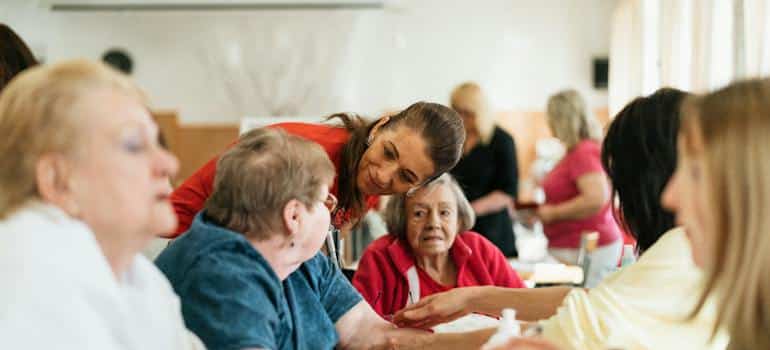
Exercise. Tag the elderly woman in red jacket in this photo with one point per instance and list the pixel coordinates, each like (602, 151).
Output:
(429, 250)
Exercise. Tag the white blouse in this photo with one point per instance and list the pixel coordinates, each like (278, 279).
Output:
(59, 292)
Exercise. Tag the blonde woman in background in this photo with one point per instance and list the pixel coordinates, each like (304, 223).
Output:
(487, 171)
(83, 188)
(721, 194)
(577, 190)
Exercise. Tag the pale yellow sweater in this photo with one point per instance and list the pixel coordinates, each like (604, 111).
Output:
(643, 306)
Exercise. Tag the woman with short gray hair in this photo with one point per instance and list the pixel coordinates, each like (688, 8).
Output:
(429, 250)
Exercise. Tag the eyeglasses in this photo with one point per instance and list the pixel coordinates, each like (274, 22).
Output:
(330, 202)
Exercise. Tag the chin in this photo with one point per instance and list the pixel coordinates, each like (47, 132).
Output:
(164, 222)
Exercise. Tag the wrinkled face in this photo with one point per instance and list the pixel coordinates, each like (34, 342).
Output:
(432, 220)
(395, 162)
(687, 195)
(315, 223)
(120, 175)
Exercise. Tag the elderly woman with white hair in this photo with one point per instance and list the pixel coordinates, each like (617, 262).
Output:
(83, 188)
(429, 250)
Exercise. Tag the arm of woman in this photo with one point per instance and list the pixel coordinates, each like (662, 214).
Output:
(594, 193)
(530, 304)
(492, 202)
(371, 282)
(361, 328)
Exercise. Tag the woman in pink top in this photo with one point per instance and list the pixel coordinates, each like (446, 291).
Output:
(577, 191)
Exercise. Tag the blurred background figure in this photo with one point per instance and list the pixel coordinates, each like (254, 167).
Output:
(119, 59)
(487, 172)
(15, 56)
(577, 192)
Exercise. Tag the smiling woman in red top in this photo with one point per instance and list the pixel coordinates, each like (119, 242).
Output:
(429, 250)
(393, 154)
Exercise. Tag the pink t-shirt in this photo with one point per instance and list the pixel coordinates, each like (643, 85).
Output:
(561, 185)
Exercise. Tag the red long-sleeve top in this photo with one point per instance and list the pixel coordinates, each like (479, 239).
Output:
(188, 198)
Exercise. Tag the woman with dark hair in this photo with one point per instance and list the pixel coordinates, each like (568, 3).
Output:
(651, 123)
(15, 56)
(645, 305)
(394, 154)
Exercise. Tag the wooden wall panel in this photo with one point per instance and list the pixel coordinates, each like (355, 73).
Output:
(193, 144)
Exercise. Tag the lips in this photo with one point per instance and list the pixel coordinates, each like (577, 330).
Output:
(163, 196)
(432, 238)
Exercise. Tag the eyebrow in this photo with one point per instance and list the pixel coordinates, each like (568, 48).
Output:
(424, 205)
(413, 176)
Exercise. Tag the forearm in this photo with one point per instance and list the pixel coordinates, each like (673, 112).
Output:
(491, 202)
(384, 336)
(531, 304)
(580, 207)
(445, 341)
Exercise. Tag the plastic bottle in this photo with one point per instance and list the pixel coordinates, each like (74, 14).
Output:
(629, 256)
(509, 328)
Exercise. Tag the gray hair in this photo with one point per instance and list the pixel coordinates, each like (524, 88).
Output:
(396, 217)
(260, 174)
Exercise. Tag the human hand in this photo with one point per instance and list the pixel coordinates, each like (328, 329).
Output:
(436, 309)
(545, 213)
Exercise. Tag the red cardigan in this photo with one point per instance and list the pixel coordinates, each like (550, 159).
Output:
(381, 275)
(188, 199)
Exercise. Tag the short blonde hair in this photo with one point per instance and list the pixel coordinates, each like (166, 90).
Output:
(38, 116)
(396, 216)
(730, 129)
(469, 97)
(570, 120)
(258, 176)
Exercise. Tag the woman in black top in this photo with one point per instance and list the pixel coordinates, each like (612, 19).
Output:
(487, 171)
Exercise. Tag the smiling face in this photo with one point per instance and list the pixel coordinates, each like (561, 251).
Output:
(395, 162)
(432, 220)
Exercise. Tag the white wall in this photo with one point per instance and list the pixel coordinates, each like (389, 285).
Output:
(366, 61)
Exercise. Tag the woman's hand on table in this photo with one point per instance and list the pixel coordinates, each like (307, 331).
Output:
(437, 309)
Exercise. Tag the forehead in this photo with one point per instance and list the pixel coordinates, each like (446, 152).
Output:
(412, 150)
(431, 195)
(106, 110)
